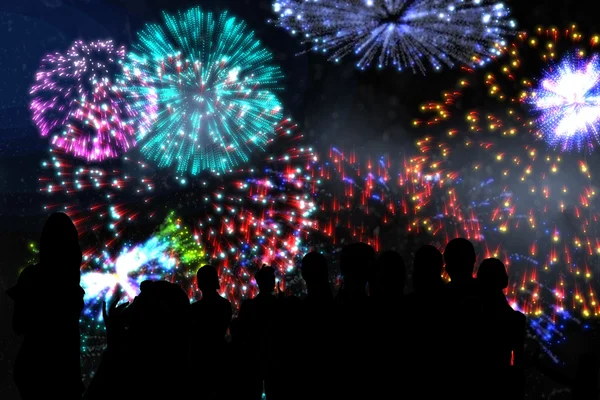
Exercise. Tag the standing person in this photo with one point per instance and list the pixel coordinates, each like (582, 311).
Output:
(258, 317)
(464, 316)
(48, 303)
(210, 319)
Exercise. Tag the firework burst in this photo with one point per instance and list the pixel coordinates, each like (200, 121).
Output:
(215, 86)
(172, 252)
(383, 199)
(529, 205)
(76, 101)
(568, 100)
(262, 214)
(399, 33)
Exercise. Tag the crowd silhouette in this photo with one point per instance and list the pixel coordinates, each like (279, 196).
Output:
(366, 341)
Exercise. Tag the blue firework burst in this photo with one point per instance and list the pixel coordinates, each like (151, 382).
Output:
(399, 33)
(568, 100)
(215, 86)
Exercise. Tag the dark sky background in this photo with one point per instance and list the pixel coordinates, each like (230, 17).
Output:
(334, 104)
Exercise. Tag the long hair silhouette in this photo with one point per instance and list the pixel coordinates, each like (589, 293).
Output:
(59, 245)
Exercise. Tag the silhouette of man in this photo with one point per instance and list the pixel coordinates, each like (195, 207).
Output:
(424, 353)
(391, 277)
(464, 314)
(259, 317)
(210, 319)
(390, 322)
(248, 381)
(427, 271)
(355, 323)
(317, 330)
(316, 276)
(48, 363)
(504, 330)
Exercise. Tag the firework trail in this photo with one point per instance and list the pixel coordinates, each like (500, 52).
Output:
(76, 100)
(528, 203)
(215, 87)
(399, 33)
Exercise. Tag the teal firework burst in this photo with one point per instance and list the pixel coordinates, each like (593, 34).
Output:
(215, 85)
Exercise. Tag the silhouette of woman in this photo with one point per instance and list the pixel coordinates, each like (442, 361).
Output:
(48, 302)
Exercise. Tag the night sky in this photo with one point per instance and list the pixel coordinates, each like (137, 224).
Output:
(333, 103)
(366, 110)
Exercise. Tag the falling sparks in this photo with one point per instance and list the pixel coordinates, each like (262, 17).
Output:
(535, 207)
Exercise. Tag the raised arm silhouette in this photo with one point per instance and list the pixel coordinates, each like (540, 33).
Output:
(48, 303)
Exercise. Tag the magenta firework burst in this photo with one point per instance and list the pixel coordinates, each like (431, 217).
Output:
(75, 101)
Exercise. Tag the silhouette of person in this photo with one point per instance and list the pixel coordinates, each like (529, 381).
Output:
(48, 303)
(317, 330)
(504, 331)
(355, 322)
(248, 381)
(210, 319)
(389, 313)
(584, 385)
(391, 277)
(356, 260)
(424, 351)
(464, 313)
(427, 271)
(151, 344)
(157, 324)
(259, 317)
(316, 276)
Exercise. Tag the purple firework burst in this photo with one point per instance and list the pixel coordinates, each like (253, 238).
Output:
(75, 101)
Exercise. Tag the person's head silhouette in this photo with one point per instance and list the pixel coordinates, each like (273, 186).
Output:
(314, 271)
(265, 279)
(428, 265)
(492, 274)
(355, 261)
(159, 311)
(207, 280)
(59, 247)
(391, 273)
(460, 258)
